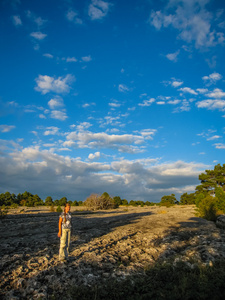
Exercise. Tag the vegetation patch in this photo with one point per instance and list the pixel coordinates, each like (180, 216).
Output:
(163, 281)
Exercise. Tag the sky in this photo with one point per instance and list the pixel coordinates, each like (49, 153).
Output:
(124, 97)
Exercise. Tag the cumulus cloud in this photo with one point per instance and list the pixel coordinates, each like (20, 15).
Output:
(211, 104)
(212, 78)
(114, 104)
(48, 55)
(219, 146)
(188, 90)
(217, 93)
(173, 56)
(72, 16)
(129, 143)
(46, 84)
(55, 102)
(98, 9)
(202, 91)
(52, 130)
(17, 20)
(88, 104)
(191, 19)
(147, 102)
(38, 35)
(86, 58)
(43, 172)
(123, 88)
(95, 155)
(71, 59)
(58, 115)
(176, 83)
(37, 20)
(41, 116)
(212, 138)
(174, 102)
(6, 128)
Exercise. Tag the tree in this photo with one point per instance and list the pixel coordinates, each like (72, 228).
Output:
(168, 200)
(62, 201)
(187, 199)
(117, 201)
(48, 201)
(124, 202)
(56, 202)
(37, 200)
(212, 179)
(210, 194)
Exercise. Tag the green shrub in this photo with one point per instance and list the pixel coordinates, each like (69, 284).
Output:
(3, 211)
(162, 281)
(208, 208)
(59, 209)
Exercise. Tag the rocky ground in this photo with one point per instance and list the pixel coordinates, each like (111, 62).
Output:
(105, 244)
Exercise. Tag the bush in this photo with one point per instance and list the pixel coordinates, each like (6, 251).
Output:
(208, 208)
(3, 211)
(97, 202)
(59, 209)
(162, 281)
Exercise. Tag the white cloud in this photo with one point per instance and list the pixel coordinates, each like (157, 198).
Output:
(39, 21)
(212, 138)
(123, 88)
(219, 146)
(177, 83)
(98, 9)
(6, 128)
(56, 102)
(185, 106)
(96, 155)
(211, 104)
(188, 90)
(72, 16)
(17, 20)
(202, 91)
(58, 115)
(88, 104)
(48, 55)
(114, 104)
(212, 78)
(71, 59)
(147, 102)
(173, 56)
(217, 93)
(142, 179)
(46, 84)
(41, 116)
(86, 58)
(38, 35)
(191, 19)
(174, 102)
(123, 142)
(52, 130)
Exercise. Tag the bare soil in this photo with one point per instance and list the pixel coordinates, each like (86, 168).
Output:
(105, 244)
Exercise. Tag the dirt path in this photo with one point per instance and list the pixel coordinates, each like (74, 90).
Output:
(104, 244)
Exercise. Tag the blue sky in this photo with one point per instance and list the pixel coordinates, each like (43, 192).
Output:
(124, 97)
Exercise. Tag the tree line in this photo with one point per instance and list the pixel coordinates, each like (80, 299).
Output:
(30, 200)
